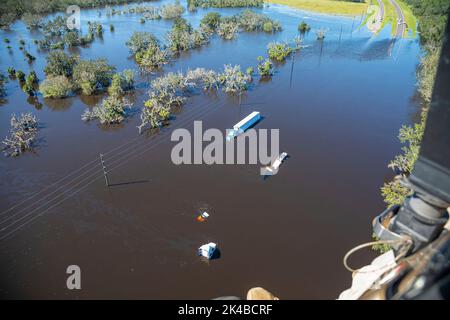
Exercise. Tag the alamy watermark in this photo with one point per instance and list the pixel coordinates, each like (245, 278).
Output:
(74, 279)
(73, 21)
(218, 150)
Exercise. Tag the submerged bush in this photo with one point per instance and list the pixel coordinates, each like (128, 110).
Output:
(303, 27)
(147, 50)
(72, 38)
(233, 79)
(112, 110)
(121, 82)
(56, 87)
(278, 51)
(60, 64)
(169, 91)
(200, 77)
(20, 75)
(228, 29)
(183, 37)
(11, 72)
(211, 20)
(29, 86)
(249, 20)
(265, 67)
(227, 3)
(171, 11)
(320, 34)
(22, 134)
(92, 75)
(140, 41)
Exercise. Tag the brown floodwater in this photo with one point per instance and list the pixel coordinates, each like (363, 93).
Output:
(338, 105)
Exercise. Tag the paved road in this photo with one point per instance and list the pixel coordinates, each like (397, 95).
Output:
(400, 29)
(381, 13)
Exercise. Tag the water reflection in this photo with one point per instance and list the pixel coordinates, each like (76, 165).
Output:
(55, 104)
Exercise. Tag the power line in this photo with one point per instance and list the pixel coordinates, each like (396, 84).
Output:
(201, 113)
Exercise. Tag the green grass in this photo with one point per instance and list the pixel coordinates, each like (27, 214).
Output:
(371, 14)
(326, 6)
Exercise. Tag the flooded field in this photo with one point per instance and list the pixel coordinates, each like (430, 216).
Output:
(338, 104)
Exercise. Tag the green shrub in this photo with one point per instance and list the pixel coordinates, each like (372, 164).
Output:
(303, 27)
(11, 72)
(227, 3)
(265, 68)
(121, 82)
(71, 39)
(112, 110)
(56, 87)
(268, 26)
(92, 75)
(141, 41)
(28, 86)
(147, 50)
(33, 21)
(279, 51)
(233, 79)
(183, 37)
(60, 64)
(57, 45)
(30, 58)
(211, 20)
(228, 29)
(32, 78)
(20, 75)
(171, 11)
(252, 21)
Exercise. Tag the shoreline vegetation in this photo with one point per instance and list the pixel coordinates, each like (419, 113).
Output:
(432, 17)
(333, 7)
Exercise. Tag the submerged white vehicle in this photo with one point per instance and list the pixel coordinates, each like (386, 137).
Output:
(207, 250)
(273, 168)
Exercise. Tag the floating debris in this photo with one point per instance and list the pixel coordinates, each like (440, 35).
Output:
(202, 217)
(273, 168)
(207, 250)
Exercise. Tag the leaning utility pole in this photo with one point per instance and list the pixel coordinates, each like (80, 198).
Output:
(105, 173)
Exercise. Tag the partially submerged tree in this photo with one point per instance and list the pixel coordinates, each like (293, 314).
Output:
(60, 64)
(121, 82)
(303, 27)
(92, 75)
(171, 11)
(278, 51)
(112, 110)
(147, 50)
(22, 134)
(233, 79)
(56, 87)
(265, 67)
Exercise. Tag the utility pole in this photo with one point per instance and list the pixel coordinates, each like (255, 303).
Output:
(292, 70)
(105, 173)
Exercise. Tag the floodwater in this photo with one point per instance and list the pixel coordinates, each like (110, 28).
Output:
(338, 105)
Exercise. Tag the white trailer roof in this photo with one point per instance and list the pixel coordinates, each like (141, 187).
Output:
(246, 119)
